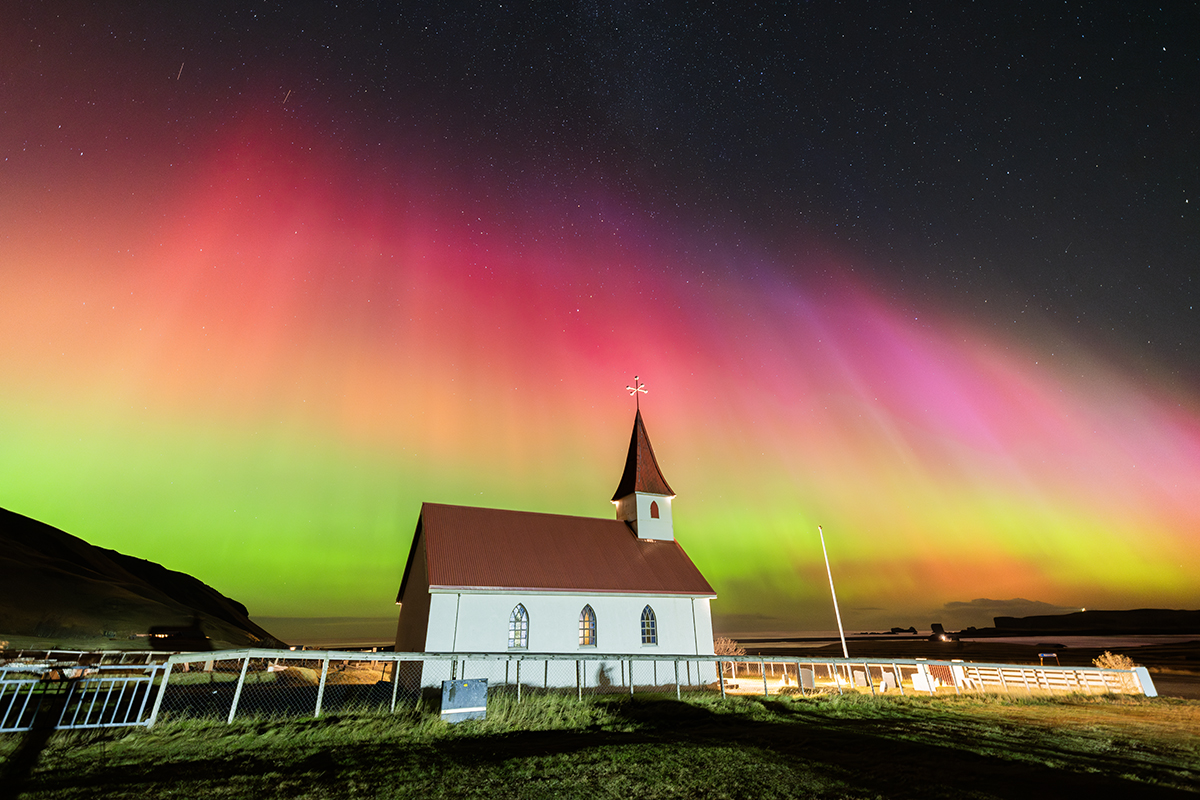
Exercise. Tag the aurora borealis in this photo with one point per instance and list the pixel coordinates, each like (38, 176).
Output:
(259, 302)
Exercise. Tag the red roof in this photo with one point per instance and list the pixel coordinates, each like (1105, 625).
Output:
(487, 548)
(641, 467)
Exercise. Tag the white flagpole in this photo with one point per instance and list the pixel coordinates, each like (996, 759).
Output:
(836, 613)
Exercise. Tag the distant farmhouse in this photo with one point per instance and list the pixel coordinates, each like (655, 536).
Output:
(482, 580)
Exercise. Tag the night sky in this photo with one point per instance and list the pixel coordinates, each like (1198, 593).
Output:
(274, 274)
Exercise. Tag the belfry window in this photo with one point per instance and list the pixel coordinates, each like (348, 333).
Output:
(653, 509)
(587, 627)
(649, 626)
(518, 628)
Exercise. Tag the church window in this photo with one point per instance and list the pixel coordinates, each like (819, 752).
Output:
(587, 627)
(649, 626)
(653, 509)
(518, 628)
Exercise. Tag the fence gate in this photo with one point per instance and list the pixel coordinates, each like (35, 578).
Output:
(76, 697)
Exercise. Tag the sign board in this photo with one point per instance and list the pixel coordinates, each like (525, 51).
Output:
(464, 699)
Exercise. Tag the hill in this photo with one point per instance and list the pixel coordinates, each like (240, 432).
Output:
(57, 588)
(1137, 621)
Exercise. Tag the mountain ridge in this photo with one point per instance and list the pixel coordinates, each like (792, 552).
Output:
(54, 585)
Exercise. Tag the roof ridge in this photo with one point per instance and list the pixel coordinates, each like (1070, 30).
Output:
(426, 503)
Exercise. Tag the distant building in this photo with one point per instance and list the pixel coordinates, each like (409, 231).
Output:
(184, 638)
(481, 580)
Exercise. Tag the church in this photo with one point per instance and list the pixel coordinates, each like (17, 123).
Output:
(483, 580)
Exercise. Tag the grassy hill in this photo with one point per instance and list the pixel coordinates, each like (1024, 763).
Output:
(58, 590)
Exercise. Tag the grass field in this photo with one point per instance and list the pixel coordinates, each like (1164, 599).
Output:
(855, 746)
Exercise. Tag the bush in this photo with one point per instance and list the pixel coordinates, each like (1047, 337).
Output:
(1107, 660)
(724, 646)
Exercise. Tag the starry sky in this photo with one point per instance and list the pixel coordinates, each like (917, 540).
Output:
(923, 274)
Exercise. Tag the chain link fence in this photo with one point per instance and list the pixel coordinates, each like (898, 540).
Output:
(109, 689)
(288, 683)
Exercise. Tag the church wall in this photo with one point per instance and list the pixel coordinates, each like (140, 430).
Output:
(414, 605)
(474, 622)
(703, 617)
(478, 623)
(443, 623)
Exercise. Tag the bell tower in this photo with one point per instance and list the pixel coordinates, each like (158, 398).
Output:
(643, 496)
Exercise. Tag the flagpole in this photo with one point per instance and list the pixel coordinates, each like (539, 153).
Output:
(836, 613)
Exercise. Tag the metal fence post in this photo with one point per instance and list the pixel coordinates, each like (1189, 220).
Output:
(721, 678)
(395, 681)
(1145, 682)
(321, 687)
(578, 683)
(677, 696)
(162, 689)
(518, 680)
(763, 667)
(237, 693)
(631, 677)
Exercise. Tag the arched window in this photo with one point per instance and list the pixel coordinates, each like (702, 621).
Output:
(649, 626)
(587, 627)
(518, 628)
(653, 509)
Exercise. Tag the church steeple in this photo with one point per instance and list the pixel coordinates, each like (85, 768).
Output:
(641, 467)
(643, 496)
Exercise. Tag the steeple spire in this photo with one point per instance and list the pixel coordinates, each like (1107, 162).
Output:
(642, 473)
(643, 496)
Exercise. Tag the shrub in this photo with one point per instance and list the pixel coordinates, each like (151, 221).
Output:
(724, 646)
(1107, 660)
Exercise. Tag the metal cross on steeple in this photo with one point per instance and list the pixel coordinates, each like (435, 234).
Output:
(638, 386)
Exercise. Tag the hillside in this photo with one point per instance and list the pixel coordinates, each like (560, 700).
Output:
(57, 588)
(1141, 620)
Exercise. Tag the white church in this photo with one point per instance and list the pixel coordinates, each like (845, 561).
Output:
(482, 580)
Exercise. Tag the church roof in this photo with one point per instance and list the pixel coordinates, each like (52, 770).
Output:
(641, 467)
(487, 548)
